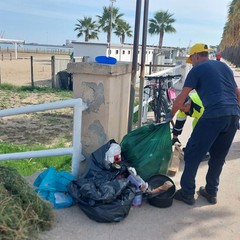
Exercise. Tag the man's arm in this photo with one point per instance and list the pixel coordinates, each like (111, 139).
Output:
(178, 127)
(179, 101)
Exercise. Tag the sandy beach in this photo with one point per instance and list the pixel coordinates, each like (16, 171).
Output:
(18, 71)
(43, 128)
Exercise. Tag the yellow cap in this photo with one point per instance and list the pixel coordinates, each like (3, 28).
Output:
(197, 48)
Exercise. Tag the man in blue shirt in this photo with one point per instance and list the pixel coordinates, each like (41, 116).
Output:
(214, 82)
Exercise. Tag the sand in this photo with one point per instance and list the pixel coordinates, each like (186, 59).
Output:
(18, 71)
(45, 128)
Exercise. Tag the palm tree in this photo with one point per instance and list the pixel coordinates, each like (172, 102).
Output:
(230, 43)
(107, 17)
(161, 23)
(87, 27)
(123, 29)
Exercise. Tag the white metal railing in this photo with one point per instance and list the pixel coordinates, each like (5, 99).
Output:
(172, 70)
(76, 150)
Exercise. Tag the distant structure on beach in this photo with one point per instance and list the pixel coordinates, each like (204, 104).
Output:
(9, 45)
(86, 51)
(14, 42)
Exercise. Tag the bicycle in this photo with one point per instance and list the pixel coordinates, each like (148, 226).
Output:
(160, 94)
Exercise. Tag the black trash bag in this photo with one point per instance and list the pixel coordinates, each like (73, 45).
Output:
(64, 79)
(97, 167)
(108, 202)
(115, 211)
(103, 192)
(98, 191)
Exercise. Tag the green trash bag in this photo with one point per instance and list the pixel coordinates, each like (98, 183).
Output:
(148, 149)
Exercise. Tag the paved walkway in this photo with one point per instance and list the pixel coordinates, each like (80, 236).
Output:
(180, 221)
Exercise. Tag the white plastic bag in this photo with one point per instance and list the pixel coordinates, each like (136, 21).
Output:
(113, 155)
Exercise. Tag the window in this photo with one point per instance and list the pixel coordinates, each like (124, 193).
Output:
(116, 51)
(129, 52)
(123, 52)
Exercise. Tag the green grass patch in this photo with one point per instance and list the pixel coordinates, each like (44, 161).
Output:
(28, 89)
(27, 167)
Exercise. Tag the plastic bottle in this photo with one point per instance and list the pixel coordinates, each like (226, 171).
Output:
(137, 201)
(134, 181)
(137, 181)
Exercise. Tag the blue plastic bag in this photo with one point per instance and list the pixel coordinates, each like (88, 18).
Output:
(52, 186)
(106, 60)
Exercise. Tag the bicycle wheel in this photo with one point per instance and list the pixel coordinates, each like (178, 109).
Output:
(160, 108)
(154, 106)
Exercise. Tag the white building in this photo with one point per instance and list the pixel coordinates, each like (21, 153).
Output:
(122, 52)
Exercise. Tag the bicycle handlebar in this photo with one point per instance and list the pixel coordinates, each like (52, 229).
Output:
(168, 77)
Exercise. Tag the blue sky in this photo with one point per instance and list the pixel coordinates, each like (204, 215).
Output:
(53, 21)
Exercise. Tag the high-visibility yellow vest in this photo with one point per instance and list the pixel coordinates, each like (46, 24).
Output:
(196, 111)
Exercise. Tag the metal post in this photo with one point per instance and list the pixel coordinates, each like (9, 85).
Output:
(110, 30)
(143, 58)
(77, 156)
(134, 64)
(32, 78)
(150, 68)
(53, 71)
(15, 47)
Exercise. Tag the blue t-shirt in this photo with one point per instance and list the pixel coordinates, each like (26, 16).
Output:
(215, 85)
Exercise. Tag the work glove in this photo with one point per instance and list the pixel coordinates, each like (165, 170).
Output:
(168, 117)
(175, 140)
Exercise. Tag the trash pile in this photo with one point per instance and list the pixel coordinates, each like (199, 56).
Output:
(109, 187)
(103, 192)
(23, 213)
(117, 177)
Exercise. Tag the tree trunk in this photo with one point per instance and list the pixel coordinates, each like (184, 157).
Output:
(160, 43)
(108, 37)
(123, 39)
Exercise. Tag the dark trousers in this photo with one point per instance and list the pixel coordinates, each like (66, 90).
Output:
(213, 135)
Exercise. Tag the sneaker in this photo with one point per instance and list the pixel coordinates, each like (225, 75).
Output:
(210, 198)
(188, 199)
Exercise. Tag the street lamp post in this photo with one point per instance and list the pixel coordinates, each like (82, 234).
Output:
(110, 29)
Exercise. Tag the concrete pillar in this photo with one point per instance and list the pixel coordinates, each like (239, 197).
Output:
(106, 90)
